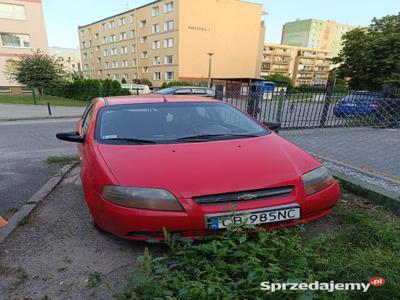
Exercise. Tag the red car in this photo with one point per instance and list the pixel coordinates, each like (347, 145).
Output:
(192, 165)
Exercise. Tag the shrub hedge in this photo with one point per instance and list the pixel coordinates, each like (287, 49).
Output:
(87, 89)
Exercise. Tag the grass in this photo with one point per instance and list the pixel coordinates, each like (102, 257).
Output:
(27, 99)
(365, 243)
(61, 159)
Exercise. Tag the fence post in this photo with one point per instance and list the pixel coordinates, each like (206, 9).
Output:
(49, 108)
(281, 101)
(34, 96)
(327, 104)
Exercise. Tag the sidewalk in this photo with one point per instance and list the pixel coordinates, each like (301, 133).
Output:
(19, 111)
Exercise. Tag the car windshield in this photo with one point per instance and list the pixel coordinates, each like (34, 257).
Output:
(174, 122)
(166, 91)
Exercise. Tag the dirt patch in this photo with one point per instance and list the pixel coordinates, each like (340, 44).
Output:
(61, 255)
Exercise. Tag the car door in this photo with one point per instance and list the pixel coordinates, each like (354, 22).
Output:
(84, 150)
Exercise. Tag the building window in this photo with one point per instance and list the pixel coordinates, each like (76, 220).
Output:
(156, 28)
(82, 31)
(169, 43)
(169, 25)
(104, 39)
(156, 45)
(111, 24)
(169, 59)
(156, 60)
(15, 40)
(105, 52)
(104, 26)
(106, 65)
(133, 48)
(143, 24)
(134, 76)
(169, 75)
(12, 11)
(98, 60)
(97, 48)
(122, 36)
(122, 21)
(116, 76)
(132, 34)
(113, 51)
(145, 69)
(143, 39)
(126, 76)
(168, 7)
(155, 11)
(144, 54)
(133, 62)
(124, 64)
(131, 18)
(96, 36)
(124, 50)
(85, 55)
(157, 76)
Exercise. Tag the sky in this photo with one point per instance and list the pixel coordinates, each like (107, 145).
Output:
(62, 17)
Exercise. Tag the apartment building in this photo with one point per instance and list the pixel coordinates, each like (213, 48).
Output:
(306, 66)
(170, 40)
(22, 29)
(71, 58)
(318, 34)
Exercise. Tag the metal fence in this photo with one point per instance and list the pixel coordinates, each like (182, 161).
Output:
(359, 129)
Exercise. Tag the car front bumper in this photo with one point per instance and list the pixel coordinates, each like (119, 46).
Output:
(140, 224)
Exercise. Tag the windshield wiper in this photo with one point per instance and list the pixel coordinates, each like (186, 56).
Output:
(209, 137)
(132, 140)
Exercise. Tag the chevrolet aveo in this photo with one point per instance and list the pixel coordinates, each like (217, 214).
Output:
(192, 165)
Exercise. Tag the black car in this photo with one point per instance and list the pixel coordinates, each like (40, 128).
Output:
(187, 90)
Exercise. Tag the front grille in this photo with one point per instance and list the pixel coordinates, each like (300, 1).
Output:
(244, 196)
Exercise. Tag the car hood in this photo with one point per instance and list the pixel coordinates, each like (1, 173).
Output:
(194, 169)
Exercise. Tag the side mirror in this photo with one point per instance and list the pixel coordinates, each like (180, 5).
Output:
(72, 136)
(274, 126)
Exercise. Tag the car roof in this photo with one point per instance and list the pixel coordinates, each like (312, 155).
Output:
(154, 98)
(188, 87)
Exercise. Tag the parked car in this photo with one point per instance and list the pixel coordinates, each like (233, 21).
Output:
(187, 90)
(358, 104)
(137, 89)
(185, 163)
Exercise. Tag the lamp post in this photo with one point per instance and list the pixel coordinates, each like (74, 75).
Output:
(210, 55)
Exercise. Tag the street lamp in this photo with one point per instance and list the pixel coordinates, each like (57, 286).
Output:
(210, 55)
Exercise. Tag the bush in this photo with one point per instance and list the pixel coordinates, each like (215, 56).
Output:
(175, 83)
(87, 89)
(233, 264)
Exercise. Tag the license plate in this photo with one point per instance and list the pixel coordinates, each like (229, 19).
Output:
(260, 216)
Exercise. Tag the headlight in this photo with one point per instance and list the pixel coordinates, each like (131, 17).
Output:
(316, 180)
(155, 199)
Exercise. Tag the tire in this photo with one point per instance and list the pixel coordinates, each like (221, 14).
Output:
(97, 227)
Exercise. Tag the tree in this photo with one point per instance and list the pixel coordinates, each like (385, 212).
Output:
(36, 70)
(370, 56)
(123, 80)
(280, 80)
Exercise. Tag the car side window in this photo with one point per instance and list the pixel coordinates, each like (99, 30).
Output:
(199, 92)
(87, 118)
(183, 92)
(86, 110)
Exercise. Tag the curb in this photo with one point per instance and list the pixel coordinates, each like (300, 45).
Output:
(39, 118)
(33, 202)
(374, 193)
